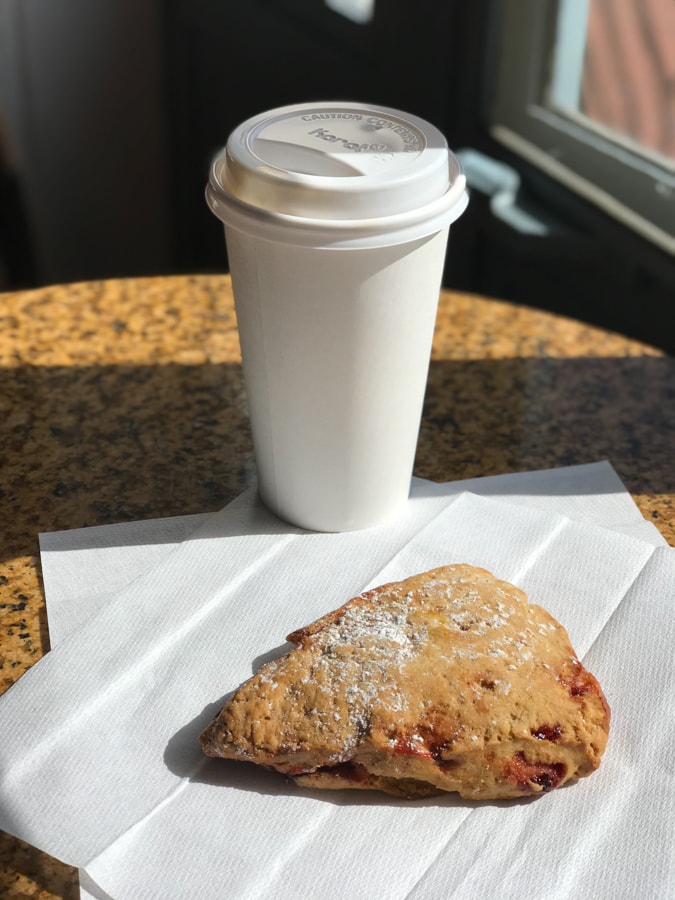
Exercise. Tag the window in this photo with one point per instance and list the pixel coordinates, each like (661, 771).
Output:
(359, 11)
(585, 90)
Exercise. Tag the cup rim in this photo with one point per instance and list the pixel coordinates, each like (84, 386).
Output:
(348, 233)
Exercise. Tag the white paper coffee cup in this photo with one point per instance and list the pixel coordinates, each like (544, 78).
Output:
(336, 220)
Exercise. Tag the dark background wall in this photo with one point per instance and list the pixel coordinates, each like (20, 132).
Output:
(110, 113)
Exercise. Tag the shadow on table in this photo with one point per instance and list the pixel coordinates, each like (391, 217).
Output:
(488, 417)
(89, 446)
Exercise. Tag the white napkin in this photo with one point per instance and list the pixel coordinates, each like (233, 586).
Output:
(100, 764)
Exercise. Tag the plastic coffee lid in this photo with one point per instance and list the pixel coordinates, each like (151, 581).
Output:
(332, 174)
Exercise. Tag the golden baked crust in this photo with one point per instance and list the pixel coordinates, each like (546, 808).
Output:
(447, 681)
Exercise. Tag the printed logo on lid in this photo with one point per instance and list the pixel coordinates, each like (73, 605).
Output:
(376, 139)
(323, 134)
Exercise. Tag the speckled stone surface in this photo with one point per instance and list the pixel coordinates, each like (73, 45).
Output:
(123, 400)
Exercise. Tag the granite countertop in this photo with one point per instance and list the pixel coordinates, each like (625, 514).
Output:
(123, 400)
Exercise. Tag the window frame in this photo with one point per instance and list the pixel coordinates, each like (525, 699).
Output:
(605, 170)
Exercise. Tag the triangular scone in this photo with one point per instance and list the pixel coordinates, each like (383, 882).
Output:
(447, 681)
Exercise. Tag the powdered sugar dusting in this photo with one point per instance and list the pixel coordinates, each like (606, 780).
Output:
(360, 656)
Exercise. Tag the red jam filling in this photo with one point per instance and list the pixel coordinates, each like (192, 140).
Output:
(422, 743)
(547, 733)
(579, 682)
(529, 777)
